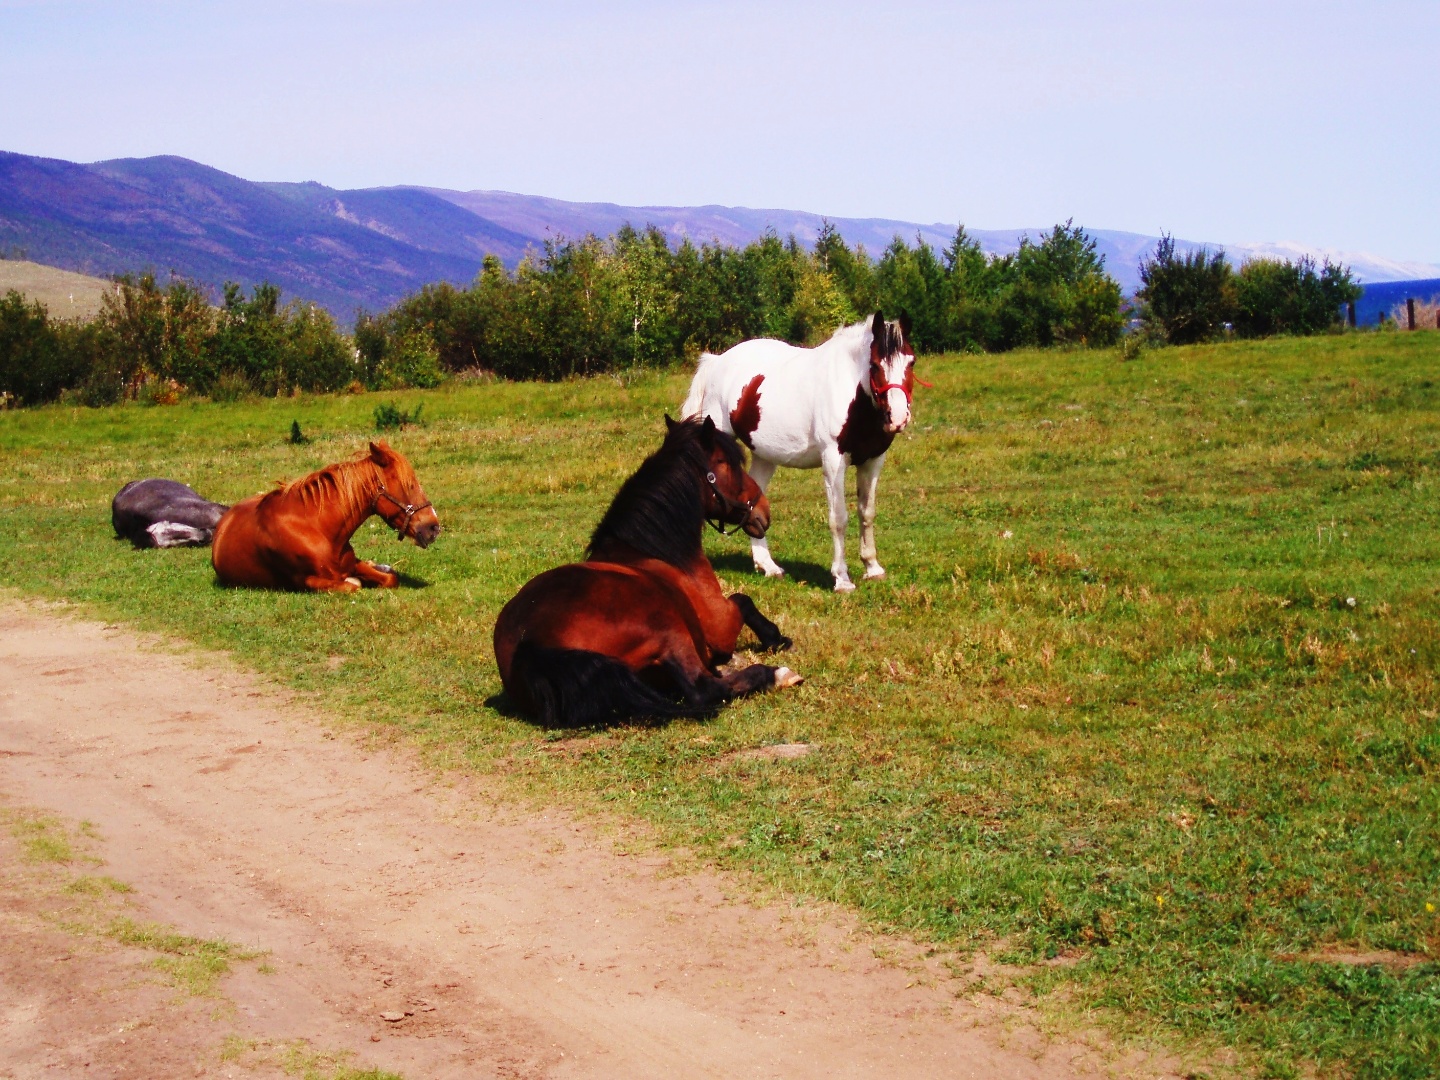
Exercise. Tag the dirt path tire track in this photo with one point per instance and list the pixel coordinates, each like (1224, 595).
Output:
(375, 887)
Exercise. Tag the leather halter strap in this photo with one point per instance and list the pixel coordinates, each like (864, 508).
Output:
(727, 505)
(408, 509)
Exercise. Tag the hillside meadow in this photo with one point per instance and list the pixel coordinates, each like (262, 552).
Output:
(1146, 708)
(67, 295)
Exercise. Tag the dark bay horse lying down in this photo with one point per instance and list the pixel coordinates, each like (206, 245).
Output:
(163, 513)
(298, 535)
(643, 621)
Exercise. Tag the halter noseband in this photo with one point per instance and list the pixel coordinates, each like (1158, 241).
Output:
(879, 390)
(408, 509)
(727, 505)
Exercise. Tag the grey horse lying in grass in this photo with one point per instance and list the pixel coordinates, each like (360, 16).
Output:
(164, 513)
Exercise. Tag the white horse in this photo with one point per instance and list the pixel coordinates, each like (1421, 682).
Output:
(839, 404)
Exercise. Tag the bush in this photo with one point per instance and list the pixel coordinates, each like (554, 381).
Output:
(230, 386)
(274, 349)
(149, 332)
(410, 358)
(389, 416)
(1275, 297)
(1186, 298)
(40, 358)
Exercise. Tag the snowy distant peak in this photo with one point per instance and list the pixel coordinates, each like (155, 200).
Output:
(1365, 266)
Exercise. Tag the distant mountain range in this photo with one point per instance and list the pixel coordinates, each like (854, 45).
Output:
(369, 247)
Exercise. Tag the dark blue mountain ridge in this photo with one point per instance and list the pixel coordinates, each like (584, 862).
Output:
(349, 249)
(168, 213)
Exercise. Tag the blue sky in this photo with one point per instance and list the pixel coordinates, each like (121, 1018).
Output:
(1217, 121)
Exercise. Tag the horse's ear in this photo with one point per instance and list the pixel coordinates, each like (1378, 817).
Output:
(707, 432)
(877, 331)
(905, 327)
(670, 425)
(380, 453)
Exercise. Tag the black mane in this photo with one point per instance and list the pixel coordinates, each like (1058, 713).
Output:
(658, 512)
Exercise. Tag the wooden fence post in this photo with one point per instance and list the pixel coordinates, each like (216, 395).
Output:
(1410, 312)
(1350, 314)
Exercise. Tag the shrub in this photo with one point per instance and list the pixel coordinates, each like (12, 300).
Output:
(39, 358)
(156, 391)
(1427, 314)
(314, 354)
(1275, 297)
(389, 416)
(399, 361)
(230, 386)
(1186, 298)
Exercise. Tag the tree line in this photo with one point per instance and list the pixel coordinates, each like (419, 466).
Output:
(587, 306)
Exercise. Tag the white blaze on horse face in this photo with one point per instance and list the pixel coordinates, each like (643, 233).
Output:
(897, 411)
(896, 404)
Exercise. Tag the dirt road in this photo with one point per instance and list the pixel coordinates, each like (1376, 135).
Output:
(508, 945)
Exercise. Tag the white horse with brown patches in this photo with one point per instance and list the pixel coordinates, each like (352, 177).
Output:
(830, 407)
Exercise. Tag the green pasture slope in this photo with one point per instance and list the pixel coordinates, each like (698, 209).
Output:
(1113, 702)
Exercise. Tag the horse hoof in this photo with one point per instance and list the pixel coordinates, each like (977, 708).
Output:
(845, 585)
(771, 571)
(875, 574)
(780, 644)
(354, 581)
(385, 568)
(784, 677)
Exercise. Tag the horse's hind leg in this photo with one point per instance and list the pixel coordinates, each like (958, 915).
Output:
(771, 639)
(866, 477)
(761, 471)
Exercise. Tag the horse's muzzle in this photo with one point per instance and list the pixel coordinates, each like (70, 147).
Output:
(758, 520)
(424, 535)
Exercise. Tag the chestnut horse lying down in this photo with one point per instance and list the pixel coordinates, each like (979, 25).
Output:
(298, 535)
(640, 628)
(163, 513)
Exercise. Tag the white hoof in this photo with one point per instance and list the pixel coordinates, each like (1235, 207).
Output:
(844, 585)
(874, 573)
(770, 571)
(356, 582)
(785, 677)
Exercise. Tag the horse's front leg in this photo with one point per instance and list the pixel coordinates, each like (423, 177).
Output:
(832, 463)
(866, 477)
(702, 690)
(761, 472)
(331, 583)
(368, 572)
(771, 639)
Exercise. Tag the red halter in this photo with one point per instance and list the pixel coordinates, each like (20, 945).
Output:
(881, 389)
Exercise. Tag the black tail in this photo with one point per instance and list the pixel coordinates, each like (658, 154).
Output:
(575, 688)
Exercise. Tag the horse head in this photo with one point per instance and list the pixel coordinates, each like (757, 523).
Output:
(401, 501)
(729, 494)
(892, 371)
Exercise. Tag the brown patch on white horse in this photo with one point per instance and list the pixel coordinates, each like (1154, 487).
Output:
(863, 435)
(745, 417)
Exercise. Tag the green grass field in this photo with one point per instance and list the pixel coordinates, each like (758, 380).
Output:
(1151, 685)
